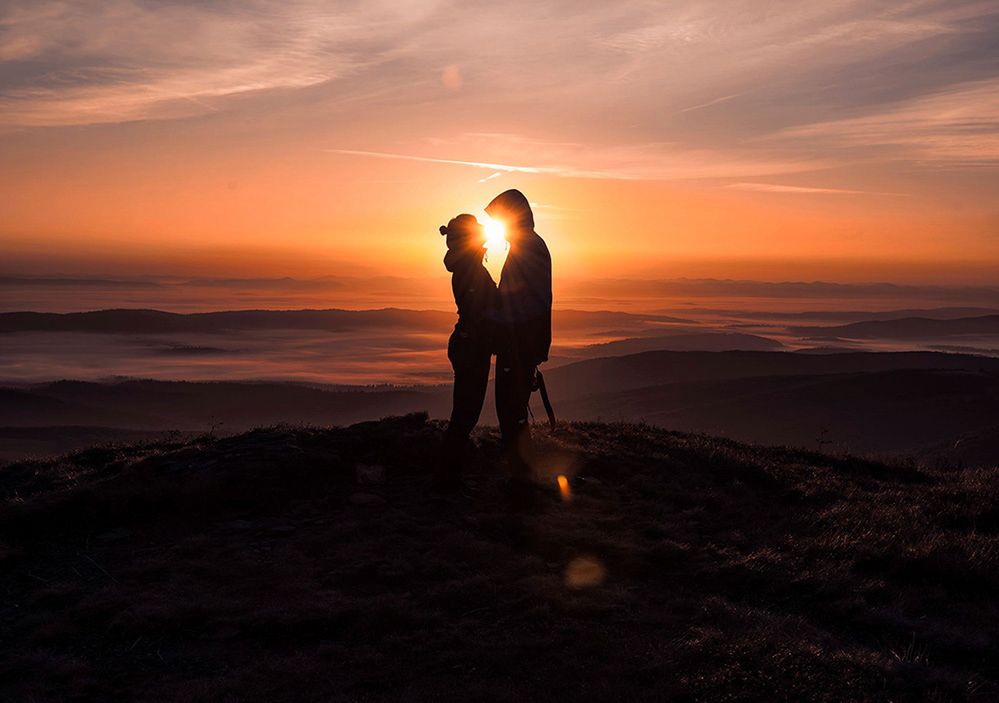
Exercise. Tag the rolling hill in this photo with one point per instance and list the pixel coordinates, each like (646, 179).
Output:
(658, 367)
(156, 321)
(152, 405)
(684, 341)
(135, 321)
(885, 412)
(909, 328)
(861, 402)
(681, 567)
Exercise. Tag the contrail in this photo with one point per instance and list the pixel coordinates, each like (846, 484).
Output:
(565, 172)
(506, 168)
(722, 99)
(779, 188)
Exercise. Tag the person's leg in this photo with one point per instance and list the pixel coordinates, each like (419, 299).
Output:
(513, 393)
(471, 376)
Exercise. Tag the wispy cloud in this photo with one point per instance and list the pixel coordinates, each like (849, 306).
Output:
(778, 188)
(710, 103)
(958, 126)
(504, 168)
(498, 168)
(125, 60)
(649, 162)
(722, 89)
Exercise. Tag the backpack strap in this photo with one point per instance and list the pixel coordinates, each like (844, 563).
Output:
(539, 385)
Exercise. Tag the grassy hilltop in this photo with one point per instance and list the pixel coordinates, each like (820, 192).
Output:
(256, 567)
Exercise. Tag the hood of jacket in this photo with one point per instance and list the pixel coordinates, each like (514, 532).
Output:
(512, 207)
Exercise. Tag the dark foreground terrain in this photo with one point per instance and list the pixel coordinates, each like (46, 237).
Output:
(256, 567)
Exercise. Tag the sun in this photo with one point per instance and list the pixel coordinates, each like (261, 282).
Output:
(496, 246)
(495, 234)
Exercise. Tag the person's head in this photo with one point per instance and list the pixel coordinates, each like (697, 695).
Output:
(464, 233)
(512, 209)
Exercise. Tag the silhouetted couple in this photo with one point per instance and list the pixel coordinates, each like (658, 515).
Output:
(511, 320)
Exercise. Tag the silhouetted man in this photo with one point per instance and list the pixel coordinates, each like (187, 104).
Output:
(470, 347)
(524, 325)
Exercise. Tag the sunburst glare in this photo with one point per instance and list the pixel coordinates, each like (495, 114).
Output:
(496, 245)
(495, 234)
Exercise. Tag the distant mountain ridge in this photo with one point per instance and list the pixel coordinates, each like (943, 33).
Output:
(846, 316)
(150, 321)
(884, 412)
(151, 405)
(908, 328)
(659, 367)
(857, 401)
(686, 341)
(154, 321)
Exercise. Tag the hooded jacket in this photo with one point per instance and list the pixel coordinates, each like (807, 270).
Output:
(525, 288)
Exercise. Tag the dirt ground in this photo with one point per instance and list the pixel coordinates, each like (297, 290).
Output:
(310, 564)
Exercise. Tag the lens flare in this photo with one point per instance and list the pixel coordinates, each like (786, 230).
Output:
(584, 572)
(564, 488)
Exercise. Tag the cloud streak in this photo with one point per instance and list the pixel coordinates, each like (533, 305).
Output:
(806, 190)
(958, 126)
(505, 168)
(125, 60)
(643, 162)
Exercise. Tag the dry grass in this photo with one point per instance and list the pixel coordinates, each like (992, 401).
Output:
(683, 567)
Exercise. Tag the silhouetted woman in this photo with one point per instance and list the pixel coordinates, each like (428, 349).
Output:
(470, 346)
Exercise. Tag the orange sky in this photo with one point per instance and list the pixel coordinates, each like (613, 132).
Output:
(838, 141)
